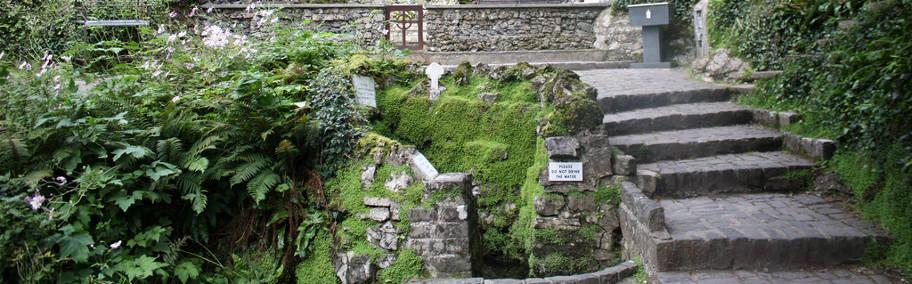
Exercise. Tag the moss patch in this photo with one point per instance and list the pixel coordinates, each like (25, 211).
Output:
(317, 267)
(459, 132)
(408, 265)
(558, 264)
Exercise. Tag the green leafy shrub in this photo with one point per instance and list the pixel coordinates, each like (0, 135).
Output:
(189, 162)
(29, 29)
(849, 83)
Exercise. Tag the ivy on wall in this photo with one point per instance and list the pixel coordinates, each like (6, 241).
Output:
(846, 69)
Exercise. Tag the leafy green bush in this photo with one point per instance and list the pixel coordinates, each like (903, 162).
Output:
(849, 83)
(191, 161)
(29, 29)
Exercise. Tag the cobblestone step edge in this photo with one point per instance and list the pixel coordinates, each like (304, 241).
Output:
(608, 275)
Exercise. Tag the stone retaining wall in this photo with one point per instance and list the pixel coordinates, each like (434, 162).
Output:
(511, 27)
(449, 28)
(364, 22)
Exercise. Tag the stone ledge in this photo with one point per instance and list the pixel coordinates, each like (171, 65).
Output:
(608, 275)
(774, 119)
(817, 149)
(646, 211)
(540, 56)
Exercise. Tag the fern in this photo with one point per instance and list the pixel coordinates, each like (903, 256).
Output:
(169, 149)
(14, 151)
(253, 165)
(260, 185)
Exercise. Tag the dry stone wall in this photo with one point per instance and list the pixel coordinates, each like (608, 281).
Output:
(506, 28)
(363, 22)
(571, 222)
(448, 28)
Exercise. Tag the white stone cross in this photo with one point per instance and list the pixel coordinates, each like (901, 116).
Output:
(434, 71)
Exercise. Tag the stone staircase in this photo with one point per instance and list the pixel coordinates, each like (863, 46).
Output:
(715, 197)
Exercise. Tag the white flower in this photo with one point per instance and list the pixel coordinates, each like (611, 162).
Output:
(66, 58)
(35, 201)
(60, 179)
(161, 29)
(115, 245)
(2, 54)
(172, 14)
(172, 38)
(181, 34)
(209, 10)
(25, 66)
(193, 11)
(175, 99)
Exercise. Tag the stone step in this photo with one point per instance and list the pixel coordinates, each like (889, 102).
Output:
(734, 173)
(676, 117)
(699, 142)
(768, 232)
(622, 90)
(837, 275)
(631, 101)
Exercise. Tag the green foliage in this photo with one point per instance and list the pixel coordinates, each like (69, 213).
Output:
(883, 192)
(29, 29)
(608, 195)
(848, 83)
(408, 265)
(318, 267)
(765, 32)
(459, 132)
(557, 263)
(522, 231)
(137, 169)
(640, 275)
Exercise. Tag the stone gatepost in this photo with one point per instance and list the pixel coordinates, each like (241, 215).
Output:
(573, 221)
(701, 34)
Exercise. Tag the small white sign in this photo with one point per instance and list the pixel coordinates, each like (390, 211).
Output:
(365, 90)
(571, 171)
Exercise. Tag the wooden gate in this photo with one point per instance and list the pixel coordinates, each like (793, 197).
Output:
(405, 26)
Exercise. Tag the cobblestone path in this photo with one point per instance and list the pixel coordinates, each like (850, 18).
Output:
(714, 198)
